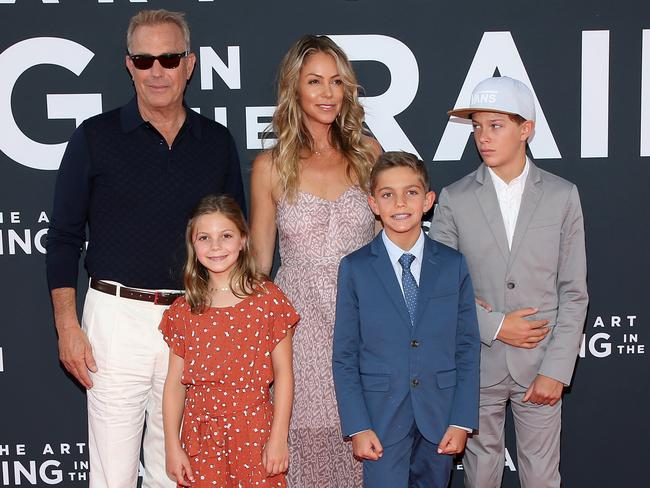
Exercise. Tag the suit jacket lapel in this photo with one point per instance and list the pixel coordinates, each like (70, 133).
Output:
(386, 273)
(532, 194)
(487, 199)
(429, 274)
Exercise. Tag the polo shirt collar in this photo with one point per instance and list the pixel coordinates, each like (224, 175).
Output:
(131, 119)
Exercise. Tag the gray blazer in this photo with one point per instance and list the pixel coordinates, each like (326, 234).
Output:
(546, 268)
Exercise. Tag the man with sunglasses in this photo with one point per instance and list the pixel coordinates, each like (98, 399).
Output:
(131, 177)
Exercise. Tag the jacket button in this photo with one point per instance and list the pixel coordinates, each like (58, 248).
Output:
(415, 343)
(415, 382)
(510, 285)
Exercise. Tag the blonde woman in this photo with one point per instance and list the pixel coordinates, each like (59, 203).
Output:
(310, 190)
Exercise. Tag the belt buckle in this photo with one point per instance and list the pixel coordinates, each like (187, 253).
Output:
(156, 296)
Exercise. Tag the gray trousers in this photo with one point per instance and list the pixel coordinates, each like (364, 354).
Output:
(537, 428)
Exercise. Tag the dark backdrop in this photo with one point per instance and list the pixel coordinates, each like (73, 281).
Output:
(584, 59)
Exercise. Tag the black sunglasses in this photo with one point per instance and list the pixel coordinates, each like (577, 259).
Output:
(166, 60)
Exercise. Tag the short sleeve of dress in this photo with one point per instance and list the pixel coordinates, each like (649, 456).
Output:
(282, 314)
(172, 326)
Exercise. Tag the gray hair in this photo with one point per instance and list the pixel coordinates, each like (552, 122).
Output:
(157, 17)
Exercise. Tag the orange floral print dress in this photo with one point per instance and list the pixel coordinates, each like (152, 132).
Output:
(227, 370)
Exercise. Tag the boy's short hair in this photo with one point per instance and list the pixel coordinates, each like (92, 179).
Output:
(516, 118)
(399, 159)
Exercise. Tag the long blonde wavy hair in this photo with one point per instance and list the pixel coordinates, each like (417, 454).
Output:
(288, 125)
(244, 277)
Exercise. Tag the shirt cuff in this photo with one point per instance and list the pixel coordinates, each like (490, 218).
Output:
(499, 328)
(466, 429)
(352, 435)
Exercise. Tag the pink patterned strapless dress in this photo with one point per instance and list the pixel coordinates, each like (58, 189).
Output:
(314, 235)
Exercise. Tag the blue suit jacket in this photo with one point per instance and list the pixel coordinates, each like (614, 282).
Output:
(388, 373)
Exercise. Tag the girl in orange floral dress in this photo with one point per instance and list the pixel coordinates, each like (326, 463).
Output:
(229, 339)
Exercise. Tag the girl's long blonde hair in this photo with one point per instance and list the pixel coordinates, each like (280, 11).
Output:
(244, 277)
(288, 125)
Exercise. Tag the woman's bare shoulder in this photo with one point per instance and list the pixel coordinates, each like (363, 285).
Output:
(372, 144)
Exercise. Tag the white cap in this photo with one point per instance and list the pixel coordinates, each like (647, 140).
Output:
(500, 94)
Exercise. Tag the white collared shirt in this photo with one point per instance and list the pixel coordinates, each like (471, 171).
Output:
(395, 252)
(509, 197)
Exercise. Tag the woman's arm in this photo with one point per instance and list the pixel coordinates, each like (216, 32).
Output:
(262, 214)
(176, 460)
(275, 456)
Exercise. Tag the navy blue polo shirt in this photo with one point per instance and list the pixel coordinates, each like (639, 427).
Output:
(120, 181)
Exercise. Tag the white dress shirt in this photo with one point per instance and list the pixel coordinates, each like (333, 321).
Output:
(509, 197)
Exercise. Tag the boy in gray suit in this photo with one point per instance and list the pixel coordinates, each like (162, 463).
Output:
(521, 231)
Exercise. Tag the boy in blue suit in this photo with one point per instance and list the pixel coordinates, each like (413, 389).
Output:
(406, 339)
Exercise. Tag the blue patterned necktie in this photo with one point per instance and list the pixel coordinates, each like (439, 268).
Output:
(409, 285)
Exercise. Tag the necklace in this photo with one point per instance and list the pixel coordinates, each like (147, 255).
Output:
(321, 150)
(224, 289)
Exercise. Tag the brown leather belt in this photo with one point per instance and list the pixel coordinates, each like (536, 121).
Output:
(157, 297)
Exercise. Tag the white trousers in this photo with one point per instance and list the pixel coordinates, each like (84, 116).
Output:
(127, 391)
